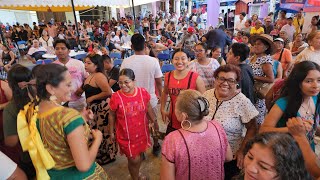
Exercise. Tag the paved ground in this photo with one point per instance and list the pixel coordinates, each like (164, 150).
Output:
(118, 170)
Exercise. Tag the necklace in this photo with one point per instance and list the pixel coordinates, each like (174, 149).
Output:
(307, 109)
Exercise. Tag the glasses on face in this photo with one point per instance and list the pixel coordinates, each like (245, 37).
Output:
(199, 51)
(127, 82)
(230, 81)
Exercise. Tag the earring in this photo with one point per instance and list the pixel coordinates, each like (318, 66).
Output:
(183, 122)
(53, 98)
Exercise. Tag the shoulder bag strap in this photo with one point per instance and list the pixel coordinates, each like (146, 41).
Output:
(280, 57)
(222, 160)
(189, 160)
(189, 82)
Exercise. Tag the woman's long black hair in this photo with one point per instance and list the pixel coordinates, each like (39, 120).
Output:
(20, 96)
(292, 88)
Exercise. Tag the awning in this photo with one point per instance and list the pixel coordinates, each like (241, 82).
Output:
(46, 8)
(67, 3)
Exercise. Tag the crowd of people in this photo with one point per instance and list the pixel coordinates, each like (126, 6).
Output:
(244, 102)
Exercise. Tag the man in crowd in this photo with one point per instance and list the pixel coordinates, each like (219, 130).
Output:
(77, 71)
(289, 28)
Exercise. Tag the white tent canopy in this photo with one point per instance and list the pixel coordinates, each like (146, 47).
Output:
(66, 3)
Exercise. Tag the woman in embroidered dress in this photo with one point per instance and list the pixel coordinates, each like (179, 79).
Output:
(299, 98)
(204, 66)
(262, 66)
(234, 111)
(97, 91)
(129, 108)
(64, 132)
(175, 81)
(199, 149)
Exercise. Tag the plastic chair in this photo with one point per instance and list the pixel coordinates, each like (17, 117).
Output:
(117, 62)
(167, 68)
(22, 45)
(47, 61)
(115, 55)
(163, 57)
(80, 56)
(40, 62)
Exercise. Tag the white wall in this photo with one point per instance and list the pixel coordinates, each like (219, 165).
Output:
(69, 16)
(307, 20)
(13, 16)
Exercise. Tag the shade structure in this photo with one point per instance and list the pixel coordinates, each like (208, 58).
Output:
(43, 4)
(46, 8)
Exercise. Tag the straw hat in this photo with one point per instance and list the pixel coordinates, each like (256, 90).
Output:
(264, 37)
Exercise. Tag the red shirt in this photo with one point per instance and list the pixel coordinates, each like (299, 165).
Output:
(174, 88)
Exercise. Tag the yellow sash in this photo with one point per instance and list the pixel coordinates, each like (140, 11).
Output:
(30, 141)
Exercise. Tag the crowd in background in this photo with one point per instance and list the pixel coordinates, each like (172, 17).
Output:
(244, 97)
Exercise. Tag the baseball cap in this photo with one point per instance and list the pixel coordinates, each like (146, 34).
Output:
(190, 30)
(278, 39)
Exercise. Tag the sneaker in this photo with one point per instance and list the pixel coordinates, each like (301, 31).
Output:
(156, 149)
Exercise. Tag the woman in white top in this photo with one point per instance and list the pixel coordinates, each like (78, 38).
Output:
(311, 53)
(234, 111)
(46, 41)
(298, 45)
(204, 66)
(146, 25)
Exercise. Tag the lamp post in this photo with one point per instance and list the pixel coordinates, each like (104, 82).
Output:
(134, 14)
(75, 20)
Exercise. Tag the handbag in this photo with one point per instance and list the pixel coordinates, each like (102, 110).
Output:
(261, 89)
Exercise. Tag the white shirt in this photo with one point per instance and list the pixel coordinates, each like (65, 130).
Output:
(290, 31)
(115, 40)
(33, 50)
(232, 114)
(125, 39)
(146, 70)
(7, 166)
(46, 44)
(239, 25)
(308, 55)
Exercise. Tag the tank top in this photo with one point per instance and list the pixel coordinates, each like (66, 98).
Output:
(91, 91)
(174, 87)
(6, 58)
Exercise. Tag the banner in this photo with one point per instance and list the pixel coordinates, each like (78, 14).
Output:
(294, 1)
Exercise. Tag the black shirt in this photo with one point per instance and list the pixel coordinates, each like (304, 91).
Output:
(114, 74)
(246, 82)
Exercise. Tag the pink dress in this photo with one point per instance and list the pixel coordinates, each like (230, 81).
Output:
(207, 152)
(132, 130)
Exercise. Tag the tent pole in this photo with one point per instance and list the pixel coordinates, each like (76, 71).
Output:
(75, 20)
(134, 14)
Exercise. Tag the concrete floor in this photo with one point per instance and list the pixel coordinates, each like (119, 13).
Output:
(150, 167)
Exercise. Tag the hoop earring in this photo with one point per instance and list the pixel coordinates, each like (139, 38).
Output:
(182, 122)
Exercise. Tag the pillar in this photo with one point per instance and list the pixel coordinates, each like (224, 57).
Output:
(167, 6)
(154, 9)
(113, 12)
(122, 14)
(212, 18)
(189, 7)
(177, 7)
